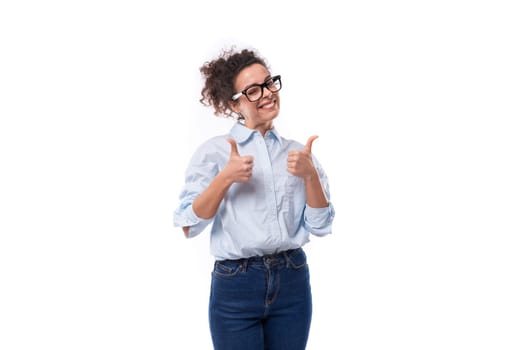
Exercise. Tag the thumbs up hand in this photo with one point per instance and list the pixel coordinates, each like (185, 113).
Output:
(300, 163)
(239, 168)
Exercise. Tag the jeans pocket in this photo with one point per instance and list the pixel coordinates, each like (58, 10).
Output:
(296, 259)
(226, 268)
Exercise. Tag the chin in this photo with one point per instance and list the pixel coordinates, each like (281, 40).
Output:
(273, 114)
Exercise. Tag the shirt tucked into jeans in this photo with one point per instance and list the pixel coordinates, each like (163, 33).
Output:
(260, 294)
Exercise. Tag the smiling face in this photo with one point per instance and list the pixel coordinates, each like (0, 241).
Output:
(258, 115)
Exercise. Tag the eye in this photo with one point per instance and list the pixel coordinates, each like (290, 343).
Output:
(253, 91)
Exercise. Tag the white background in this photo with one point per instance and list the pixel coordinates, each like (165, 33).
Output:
(419, 106)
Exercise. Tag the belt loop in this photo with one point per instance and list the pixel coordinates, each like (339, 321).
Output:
(285, 253)
(244, 265)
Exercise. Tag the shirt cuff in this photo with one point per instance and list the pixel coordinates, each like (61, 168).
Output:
(319, 220)
(187, 217)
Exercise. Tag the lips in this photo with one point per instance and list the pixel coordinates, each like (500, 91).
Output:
(269, 104)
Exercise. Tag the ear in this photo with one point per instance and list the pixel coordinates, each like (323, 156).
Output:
(234, 106)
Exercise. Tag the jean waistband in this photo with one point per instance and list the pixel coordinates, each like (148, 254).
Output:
(279, 257)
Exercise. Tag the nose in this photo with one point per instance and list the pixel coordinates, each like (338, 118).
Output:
(266, 92)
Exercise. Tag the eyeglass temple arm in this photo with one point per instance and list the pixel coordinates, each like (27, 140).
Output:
(236, 96)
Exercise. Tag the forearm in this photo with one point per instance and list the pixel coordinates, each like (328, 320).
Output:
(315, 195)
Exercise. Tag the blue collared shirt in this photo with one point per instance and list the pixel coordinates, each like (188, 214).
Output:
(263, 216)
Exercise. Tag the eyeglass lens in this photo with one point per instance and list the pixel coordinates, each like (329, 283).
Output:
(255, 92)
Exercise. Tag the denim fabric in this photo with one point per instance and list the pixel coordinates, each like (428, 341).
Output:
(261, 303)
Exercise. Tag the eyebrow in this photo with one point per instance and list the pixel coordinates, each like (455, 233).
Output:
(255, 84)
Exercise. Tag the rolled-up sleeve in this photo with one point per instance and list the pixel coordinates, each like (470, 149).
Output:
(185, 216)
(199, 174)
(318, 221)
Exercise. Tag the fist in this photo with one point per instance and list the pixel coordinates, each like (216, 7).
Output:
(239, 168)
(300, 163)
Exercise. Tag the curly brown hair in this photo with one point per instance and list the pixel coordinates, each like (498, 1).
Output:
(219, 75)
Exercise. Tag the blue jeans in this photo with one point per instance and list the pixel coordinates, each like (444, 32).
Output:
(261, 303)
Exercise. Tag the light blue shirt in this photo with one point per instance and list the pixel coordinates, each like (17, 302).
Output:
(263, 216)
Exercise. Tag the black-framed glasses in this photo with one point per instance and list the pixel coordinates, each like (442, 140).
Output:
(255, 92)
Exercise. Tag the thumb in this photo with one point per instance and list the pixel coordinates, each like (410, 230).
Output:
(234, 151)
(308, 146)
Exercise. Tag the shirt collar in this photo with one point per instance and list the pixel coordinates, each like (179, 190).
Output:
(241, 134)
(272, 132)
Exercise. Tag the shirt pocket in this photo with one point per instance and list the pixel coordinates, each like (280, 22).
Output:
(294, 196)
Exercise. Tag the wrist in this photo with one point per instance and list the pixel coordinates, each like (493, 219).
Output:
(225, 179)
(310, 177)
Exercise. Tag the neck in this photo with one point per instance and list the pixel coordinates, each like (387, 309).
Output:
(262, 128)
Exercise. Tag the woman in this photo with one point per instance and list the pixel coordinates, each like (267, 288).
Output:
(264, 196)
